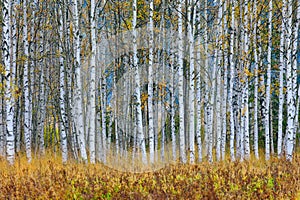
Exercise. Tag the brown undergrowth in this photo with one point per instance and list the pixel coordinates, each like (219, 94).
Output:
(47, 178)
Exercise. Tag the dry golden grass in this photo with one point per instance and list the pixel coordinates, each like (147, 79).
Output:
(47, 178)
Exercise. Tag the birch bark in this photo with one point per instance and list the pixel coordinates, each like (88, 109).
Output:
(232, 74)
(191, 18)
(78, 86)
(289, 79)
(180, 86)
(27, 102)
(92, 99)
(63, 133)
(268, 85)
(9, 100)
(150, 84)
(139, 117)
(282, 64)
(255, 117)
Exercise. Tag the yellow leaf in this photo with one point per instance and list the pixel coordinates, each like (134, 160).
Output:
(247, 72)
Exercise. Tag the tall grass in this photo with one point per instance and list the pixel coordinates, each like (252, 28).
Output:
(48, 178)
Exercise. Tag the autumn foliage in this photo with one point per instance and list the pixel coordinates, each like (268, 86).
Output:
(49, 179)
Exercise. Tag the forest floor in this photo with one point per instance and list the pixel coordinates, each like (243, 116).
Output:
(47, 178)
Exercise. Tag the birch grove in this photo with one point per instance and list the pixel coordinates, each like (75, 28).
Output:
(149, 82)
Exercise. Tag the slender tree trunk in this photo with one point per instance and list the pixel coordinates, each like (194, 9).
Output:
(9, 100)
(150, 85)
(206, 95)
(43, 103)
(246, 89)
(2, 128)
(27, 113)
(198, 90)
(172, 104)
(289, 77)
(32, 92)
(268, 85)
(78, 86)
(295, 67)
(232, 74)
(282, 63)
(255, 117)
(103, 115)
(63, 128)
(139, 120)
(162, 59)
(92, 99)
(14, 73)
(180, 86)
(191, 18)
(225, 91)
(218, 84)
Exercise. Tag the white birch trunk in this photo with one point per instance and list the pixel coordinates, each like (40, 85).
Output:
(295, 67)
(9, 101)
(191, 22)
(225, 92)
(92, 99)
(78, 86)
(282, 63)
(198, 90)
(27, 102)
(2, 129)
(105, 140)
(205, 41)
(172, 105)
(246, 99)
(255, 117)
(218, 84)
(41, 105)
(162, 59)
(62, 92)
(180, 86)
(139, 118)
(14, 70)
(150, 84)
(232, 68)
(289, 80)
(32, 63)
(268, 85)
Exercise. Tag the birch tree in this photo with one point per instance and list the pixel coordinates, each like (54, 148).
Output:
(78, 85)
(255, 117)
(232, 75)
(198, 86)
(294, 65)
(150, 84)
(218, 77)
(246, 89)
(225, 89)
(268, 85)
(137, 94)
(92, 99)
(63, 130)
(289, 81)
(282, 63)
(14, 72)
(191, 18)
(27, 113)
(180, 86)
(172, 102)
(9, 100)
